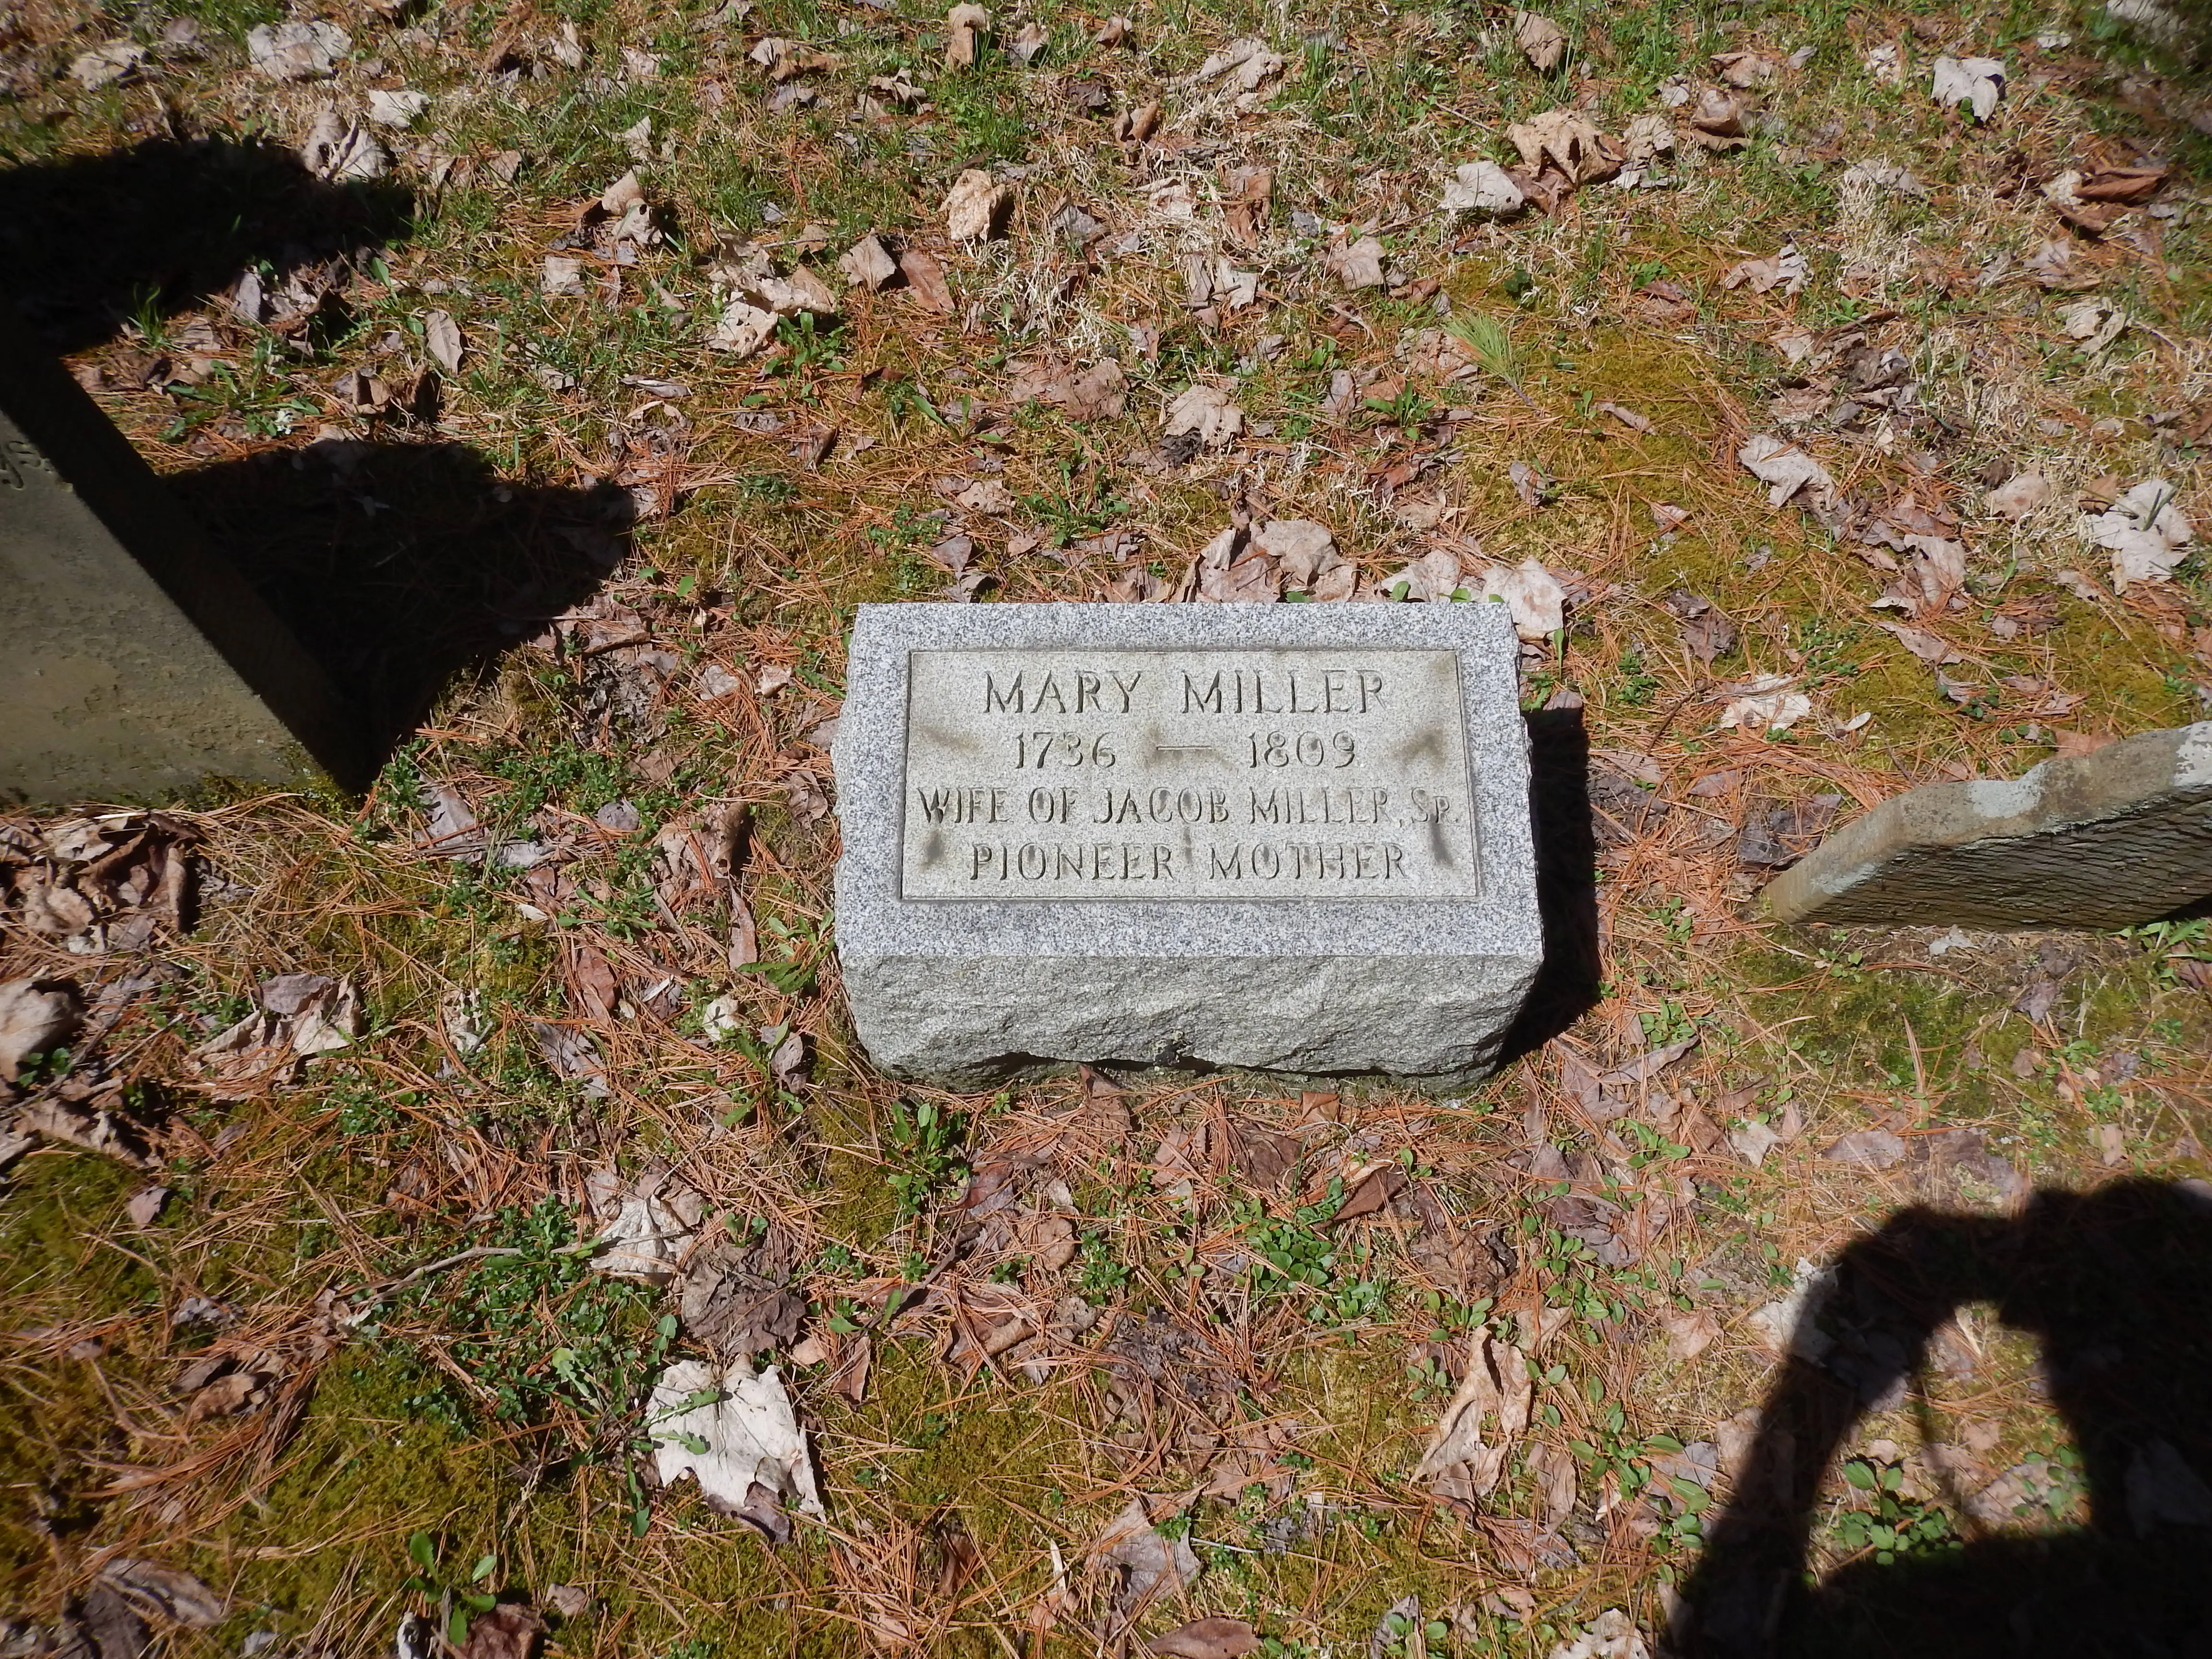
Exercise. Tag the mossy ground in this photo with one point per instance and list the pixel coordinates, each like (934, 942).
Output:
(428, 562)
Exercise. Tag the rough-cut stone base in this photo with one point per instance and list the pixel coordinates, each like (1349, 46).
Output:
(2120, 836)
(1440, 1016)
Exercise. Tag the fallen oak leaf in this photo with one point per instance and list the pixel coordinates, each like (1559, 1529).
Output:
(1715, 121)
(1785, 269)
(1930, 648)
(165, 1592)
(1246, 63)
(2130, 185)
(1359, 265)
(1208, 413)
(1533, 595)
(1869, 1149)
(1484, 187)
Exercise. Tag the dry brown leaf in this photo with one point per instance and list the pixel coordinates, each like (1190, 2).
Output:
(2130, 185)
(1745, 69)
(1217, 1638)
(442, 337)
(1148, 1565)
(1369, 1196)
(1207, 412)
(1716, 119)
(1458, 1461)
(1247, 193)
(924, 280)
(1358, 266)
(867, 263)
(1543, 42)
(509, 1630)
(964, 24)
(1689, 1334)
(593, 988)
(1564, 139)
(1098, 393)
(976, 206)
(1553, 1470)
(36, 1015)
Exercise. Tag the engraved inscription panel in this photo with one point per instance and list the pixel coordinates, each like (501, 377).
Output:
(1312, 772)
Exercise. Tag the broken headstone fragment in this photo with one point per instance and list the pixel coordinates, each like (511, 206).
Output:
(2106, 840)
(139, 664)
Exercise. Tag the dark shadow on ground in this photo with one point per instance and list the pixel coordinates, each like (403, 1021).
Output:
(1566, 881)
(89, 242)
(2116, 1286)
(401, 565)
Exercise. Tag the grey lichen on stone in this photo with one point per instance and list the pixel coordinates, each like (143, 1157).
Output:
(1405, 933)
(2110, 839)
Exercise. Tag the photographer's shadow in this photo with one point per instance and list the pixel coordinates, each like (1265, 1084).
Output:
(2116, 1286)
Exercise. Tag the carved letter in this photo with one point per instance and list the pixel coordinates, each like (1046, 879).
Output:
(1010, 699)
(1193, 698)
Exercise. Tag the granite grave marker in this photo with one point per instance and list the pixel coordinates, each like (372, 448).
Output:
(139, 663)
(1291, 837)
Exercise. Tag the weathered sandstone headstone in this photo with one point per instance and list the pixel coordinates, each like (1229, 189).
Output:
(2107, 839)
(1294, 837)
(138, 662)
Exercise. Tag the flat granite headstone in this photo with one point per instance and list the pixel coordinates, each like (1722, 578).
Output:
(134, 661)
(2109, 839)
(1294, 837)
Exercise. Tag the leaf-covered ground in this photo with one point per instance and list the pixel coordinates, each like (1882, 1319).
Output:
(1825, 438)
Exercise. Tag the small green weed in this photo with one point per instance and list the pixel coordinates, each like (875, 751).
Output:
(1895, 1525)
(925, 1139)
(457, 1594)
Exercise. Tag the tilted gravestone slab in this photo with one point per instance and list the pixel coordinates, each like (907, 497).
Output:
(139, 663)
(1294, 837)
(2106, 840)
